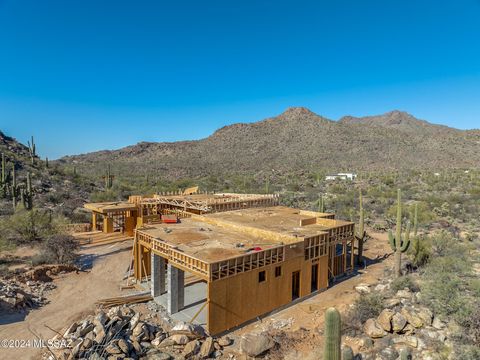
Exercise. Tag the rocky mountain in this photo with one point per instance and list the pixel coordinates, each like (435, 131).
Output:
(52, 187)
(298, 139)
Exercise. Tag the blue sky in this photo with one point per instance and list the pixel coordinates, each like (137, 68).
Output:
(86, 75)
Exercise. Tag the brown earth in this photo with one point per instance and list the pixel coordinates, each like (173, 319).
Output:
(73, 298)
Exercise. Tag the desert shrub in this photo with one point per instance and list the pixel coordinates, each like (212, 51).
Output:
(404, 282)
(471, 236)
(26, 226)
(468, 352)
(60, 249)
(469, 319)
(420, 250)
(101, 196)
(365, 307)
(39, 259)
(446, 276)
(442, 288)
(475, 287)
(4, 270)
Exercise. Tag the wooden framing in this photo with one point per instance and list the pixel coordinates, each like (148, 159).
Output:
(259, 279)
(142, 210)
(203, 203)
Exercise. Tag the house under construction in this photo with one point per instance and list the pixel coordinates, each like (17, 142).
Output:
(247, 262)
(221, 260)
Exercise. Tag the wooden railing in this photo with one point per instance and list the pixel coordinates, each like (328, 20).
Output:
(173, 255)
(244, 263)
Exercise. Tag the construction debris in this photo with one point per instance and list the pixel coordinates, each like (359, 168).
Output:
(122, 300)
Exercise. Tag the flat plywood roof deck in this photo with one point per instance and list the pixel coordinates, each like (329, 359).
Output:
(221, 236)
(280, 219)
(207, 242)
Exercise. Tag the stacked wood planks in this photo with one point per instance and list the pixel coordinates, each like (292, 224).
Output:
(121, 300)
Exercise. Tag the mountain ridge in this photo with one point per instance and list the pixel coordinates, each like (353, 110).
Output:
(299, 139)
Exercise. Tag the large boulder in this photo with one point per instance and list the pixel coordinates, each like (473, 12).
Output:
(409, 340)
(191, 349)
(404, 294)
(438, 324)
(412, 317)
(426, 315)
(373, 329)
(362, 289)
(179, 339)
(206, 349)
(398, 322)
(224, 341)
(385, 319)
(113, 349)
(255, 344)
(123, 345)
(392, 302)
(389, 353)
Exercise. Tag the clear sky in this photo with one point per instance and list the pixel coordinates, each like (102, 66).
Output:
(86, 75)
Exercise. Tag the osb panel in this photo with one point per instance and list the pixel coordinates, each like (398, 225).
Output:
(235, 300)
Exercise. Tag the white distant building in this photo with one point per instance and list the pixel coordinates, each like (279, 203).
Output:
(341, 176)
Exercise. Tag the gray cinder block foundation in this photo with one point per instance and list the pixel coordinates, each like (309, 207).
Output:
(175, 289)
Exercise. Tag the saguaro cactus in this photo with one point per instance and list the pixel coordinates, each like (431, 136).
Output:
(28, 197)
(4, 170)
(321, 204)
(333, 335)
(361, 234)
(108, 178)
(14, 188)
(32, 149)
(398, 243)
(415, 221)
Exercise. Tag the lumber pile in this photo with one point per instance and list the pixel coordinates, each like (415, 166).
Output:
(123, 300)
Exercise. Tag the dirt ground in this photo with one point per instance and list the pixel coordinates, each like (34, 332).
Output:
(73, 298)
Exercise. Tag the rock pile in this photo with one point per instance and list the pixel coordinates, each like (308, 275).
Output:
(403, 324)
(16, 296)
(121, 334)
(45, 273)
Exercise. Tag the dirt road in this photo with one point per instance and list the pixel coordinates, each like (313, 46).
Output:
(74, 297)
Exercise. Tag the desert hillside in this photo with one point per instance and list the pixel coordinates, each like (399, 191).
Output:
(299, 139)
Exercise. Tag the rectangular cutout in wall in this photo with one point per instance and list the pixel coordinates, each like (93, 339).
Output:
(262, 276)
(278, 271)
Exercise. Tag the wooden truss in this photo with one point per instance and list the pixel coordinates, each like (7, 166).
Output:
(218, 202)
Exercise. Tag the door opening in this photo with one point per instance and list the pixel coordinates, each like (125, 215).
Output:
(295, 285)
(314, 277)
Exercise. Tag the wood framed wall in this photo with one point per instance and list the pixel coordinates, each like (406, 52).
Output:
(235, 300)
